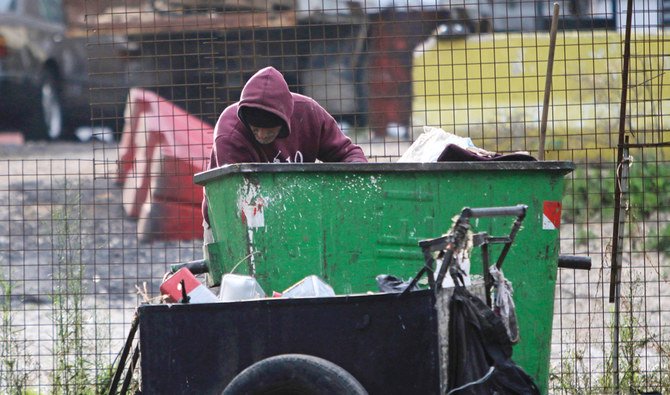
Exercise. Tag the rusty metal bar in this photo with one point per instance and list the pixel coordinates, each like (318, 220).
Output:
(619, 220)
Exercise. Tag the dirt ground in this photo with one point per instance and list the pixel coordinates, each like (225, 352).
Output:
(43, 183)
(62, 208)
(63, 211)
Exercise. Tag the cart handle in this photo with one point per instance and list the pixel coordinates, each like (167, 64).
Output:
(458, 234)
(513, 211)
(198, 266)
(574, 262)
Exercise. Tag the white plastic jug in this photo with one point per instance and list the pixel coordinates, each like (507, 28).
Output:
(239, 287)
(310, 286)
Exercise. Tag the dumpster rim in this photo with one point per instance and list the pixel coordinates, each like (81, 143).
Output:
(204, 177)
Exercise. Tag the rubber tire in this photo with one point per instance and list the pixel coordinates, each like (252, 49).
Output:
(46, 121)
(294, 374)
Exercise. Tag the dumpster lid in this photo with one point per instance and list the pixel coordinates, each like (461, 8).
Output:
(203, 178)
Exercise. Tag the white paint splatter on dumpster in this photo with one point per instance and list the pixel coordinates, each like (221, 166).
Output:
(252, 205)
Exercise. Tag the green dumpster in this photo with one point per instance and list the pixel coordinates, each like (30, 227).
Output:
(347, 223)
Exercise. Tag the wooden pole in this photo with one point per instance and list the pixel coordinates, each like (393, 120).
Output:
(547, 83)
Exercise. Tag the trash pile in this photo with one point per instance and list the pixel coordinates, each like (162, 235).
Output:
(184, 287)
(475, 354)
(437, 145)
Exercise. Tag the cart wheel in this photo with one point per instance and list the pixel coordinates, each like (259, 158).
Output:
(294, 374)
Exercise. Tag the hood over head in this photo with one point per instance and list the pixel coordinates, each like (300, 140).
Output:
(268, 91)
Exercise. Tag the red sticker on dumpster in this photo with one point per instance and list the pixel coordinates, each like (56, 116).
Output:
(551, 215)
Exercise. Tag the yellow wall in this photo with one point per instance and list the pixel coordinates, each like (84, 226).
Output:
(492, 87)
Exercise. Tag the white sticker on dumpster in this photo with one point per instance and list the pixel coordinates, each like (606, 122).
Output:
(252, 214)
(252, 206)
(551, 215)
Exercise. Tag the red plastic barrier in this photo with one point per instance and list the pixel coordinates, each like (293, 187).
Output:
(161, 148)
(166, 220)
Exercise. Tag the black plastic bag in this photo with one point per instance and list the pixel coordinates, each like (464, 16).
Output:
(389, 283)
(480, 351)
(454, 153)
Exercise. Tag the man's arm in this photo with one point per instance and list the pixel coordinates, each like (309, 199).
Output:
(232, 148)
(228, 148)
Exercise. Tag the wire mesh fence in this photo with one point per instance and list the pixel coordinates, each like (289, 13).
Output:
(90, 229)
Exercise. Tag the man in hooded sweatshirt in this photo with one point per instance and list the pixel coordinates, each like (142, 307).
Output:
(271, 124)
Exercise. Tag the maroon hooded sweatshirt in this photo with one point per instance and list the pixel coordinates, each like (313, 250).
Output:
(309, 133)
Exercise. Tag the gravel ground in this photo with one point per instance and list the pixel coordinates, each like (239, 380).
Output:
(41, 183)
(40, 190)
(60, 194)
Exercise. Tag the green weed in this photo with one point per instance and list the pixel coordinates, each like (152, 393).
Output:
(16, 368)
(635, 339)
(590, 190)
(660, 241)
(572, 376)
(584, 235)
(70, 373)
(78, 368)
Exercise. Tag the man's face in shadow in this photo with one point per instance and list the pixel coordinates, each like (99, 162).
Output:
(265, 135)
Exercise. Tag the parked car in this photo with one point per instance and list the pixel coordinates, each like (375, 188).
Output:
(45, 74)
(40, 73)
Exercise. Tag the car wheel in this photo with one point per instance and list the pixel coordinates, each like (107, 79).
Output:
(46, 120)
(294, 374)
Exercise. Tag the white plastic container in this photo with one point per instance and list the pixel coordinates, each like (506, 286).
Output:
(238, 287)
(310, 286)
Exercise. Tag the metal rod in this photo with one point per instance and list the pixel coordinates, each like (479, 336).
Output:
(199, 266)
(515, 229)
(131, 368)
(446, 263)
(427, 268)
(622, 182)
(617, 238)
(512, 211)
(488, 281)
(623, 142)
(647, 145)
(547, 82)
(124, 355)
